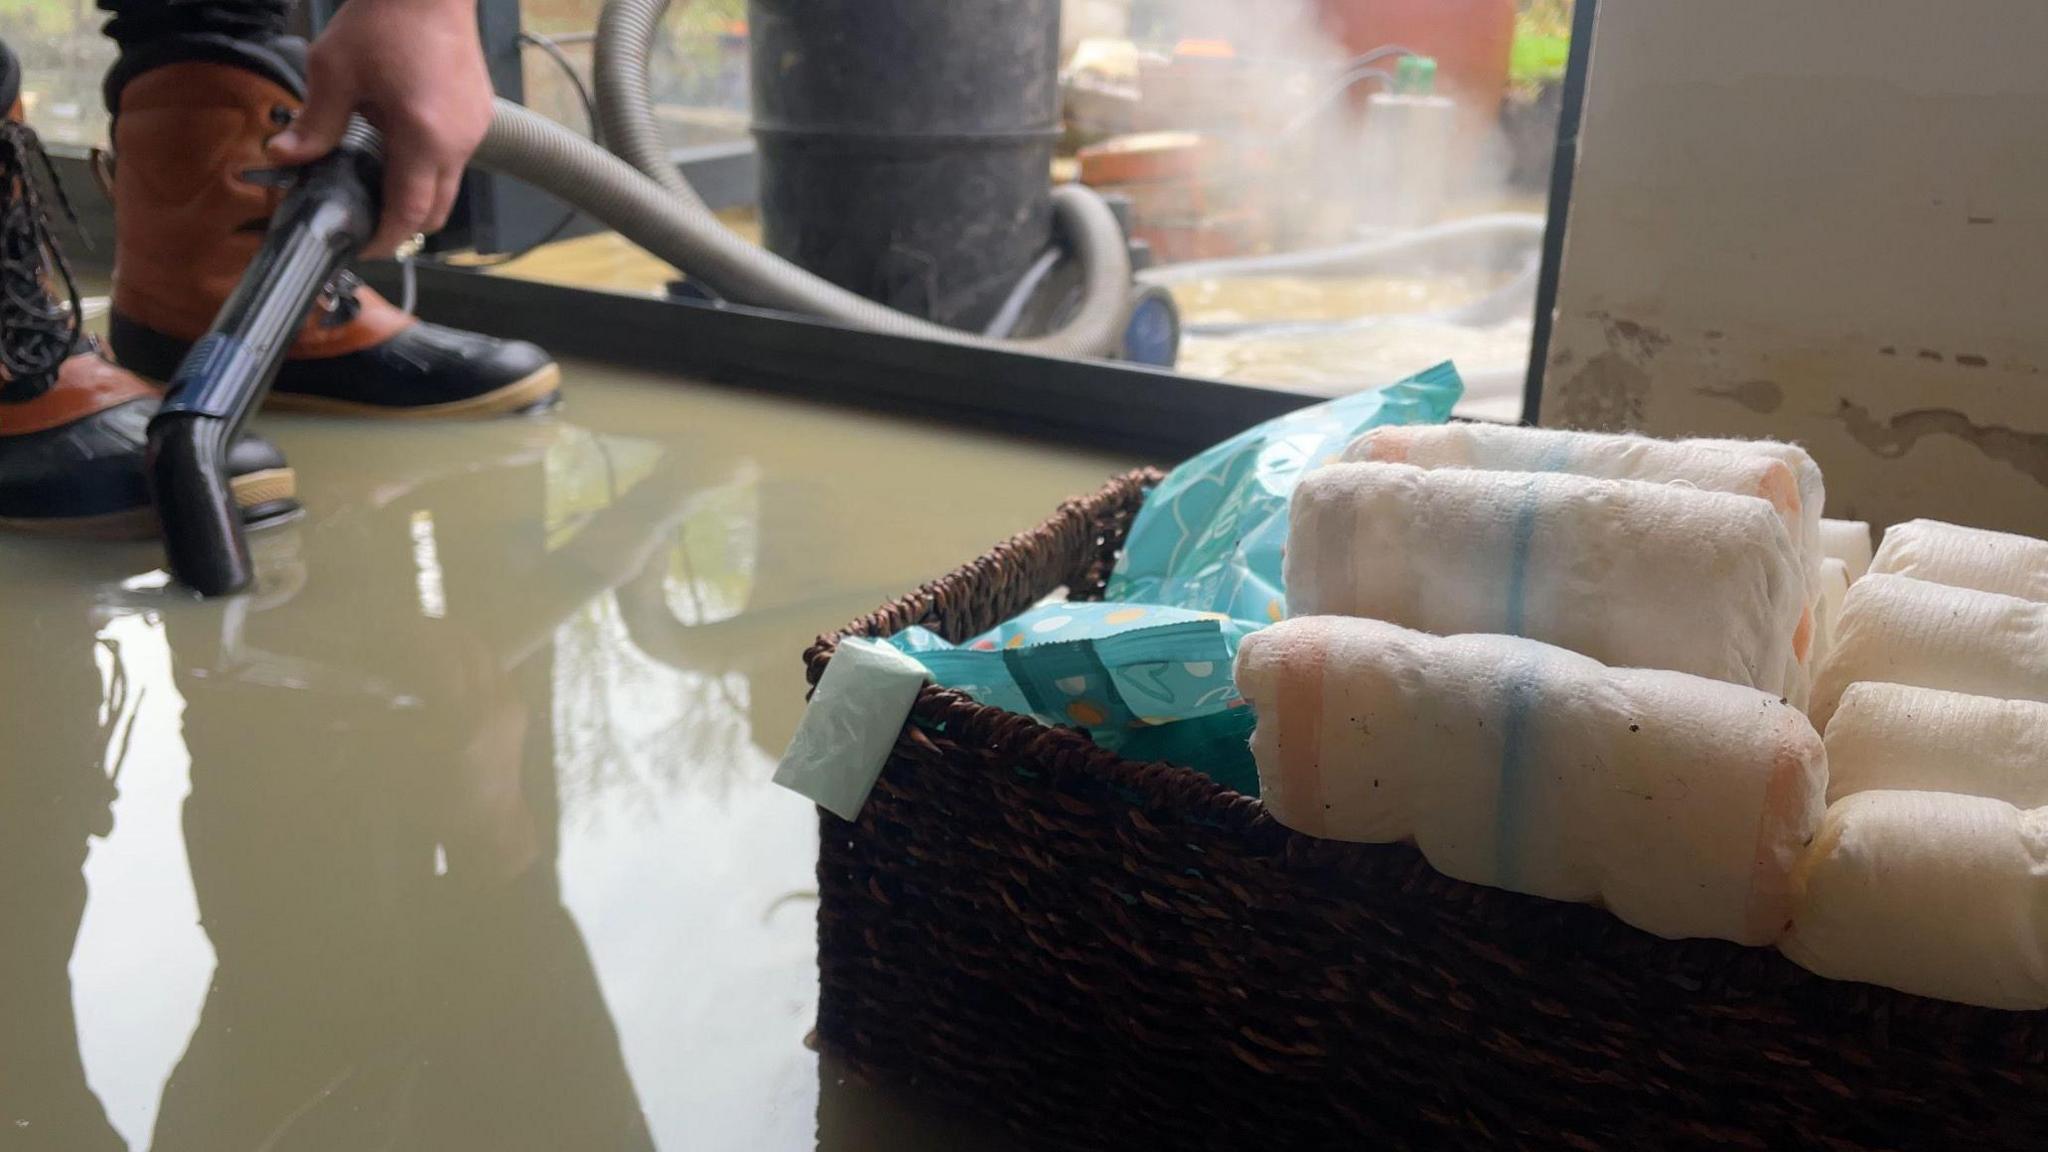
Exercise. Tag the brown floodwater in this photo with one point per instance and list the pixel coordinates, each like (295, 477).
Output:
(458, 832)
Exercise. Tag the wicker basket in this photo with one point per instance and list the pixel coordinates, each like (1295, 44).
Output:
(1115, 955)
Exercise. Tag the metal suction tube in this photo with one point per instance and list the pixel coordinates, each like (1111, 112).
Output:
(327, 216)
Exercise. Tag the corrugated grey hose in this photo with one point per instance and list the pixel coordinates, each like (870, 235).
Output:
(672, 222)
(625, 94)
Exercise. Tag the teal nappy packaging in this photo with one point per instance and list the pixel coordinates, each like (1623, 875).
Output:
(1210, 536)
(1146, 672)
(1146, 682)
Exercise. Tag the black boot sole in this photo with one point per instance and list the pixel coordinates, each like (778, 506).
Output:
(266, 499)
(328, 385)
(536, 392)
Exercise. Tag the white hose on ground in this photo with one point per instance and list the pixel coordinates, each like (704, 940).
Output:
(1361, 255)
(1515, 298)
(649, 203)
(1512, 300)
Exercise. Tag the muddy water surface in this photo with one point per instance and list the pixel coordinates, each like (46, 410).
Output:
(457, 834)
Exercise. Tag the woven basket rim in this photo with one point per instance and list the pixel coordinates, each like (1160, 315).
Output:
(1176, 785)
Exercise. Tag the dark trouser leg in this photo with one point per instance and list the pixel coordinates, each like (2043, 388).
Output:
(249, 33)
(139, 21)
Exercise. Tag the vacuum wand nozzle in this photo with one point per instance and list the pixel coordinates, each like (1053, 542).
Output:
(329, 213)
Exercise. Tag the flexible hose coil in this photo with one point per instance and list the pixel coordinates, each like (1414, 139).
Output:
(625, 95)
(647, 201)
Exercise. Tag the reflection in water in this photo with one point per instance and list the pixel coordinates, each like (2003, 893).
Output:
(641, 703)
(382, 745)
(474, 846)
(55, 795)
(137, 1004)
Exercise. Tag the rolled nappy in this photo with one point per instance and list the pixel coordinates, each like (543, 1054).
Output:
(1632, 574)
(1849, 542)
(1895, 737)
(1899, 630)
(1966, 558)
(1827, 614)
(1506, 448)
(1813, 493)
(1681, 804)
(1930, 893)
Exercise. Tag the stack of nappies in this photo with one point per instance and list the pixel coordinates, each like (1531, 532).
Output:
(1899, 630)
(1565, 664)
(1573, 665)
(1932, 893)
(1827, 612)
(1887, 737)
(1790, 484)
(1930, 872)
(1965, 558)
(1681, 804)
(1845, 551)
(1849, 542)
(1596, 566)
(1525, 512)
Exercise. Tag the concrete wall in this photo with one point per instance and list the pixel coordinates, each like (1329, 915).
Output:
(1824, 220)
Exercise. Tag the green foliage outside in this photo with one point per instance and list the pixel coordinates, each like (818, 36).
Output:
(694, 55)
(1543, 41)
(29, 19)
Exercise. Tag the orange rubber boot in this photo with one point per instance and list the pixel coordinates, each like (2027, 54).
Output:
(190, 208)
(73, 425)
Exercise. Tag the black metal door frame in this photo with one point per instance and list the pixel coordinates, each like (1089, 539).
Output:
(1563, 167)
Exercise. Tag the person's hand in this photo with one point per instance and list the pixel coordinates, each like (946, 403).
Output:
(415, 69)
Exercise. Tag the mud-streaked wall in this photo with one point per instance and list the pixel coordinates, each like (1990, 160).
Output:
(1824, 220)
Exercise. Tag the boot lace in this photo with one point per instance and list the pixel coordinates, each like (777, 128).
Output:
(37, 332)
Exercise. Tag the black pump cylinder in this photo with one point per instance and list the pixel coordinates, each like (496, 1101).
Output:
(906, 145)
